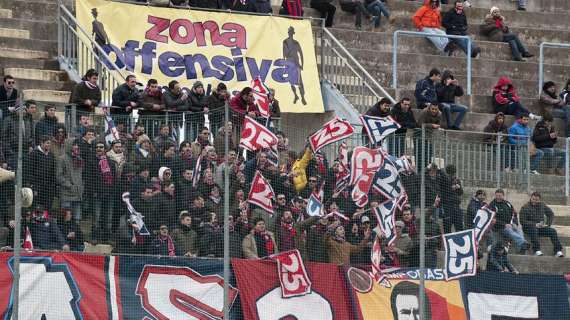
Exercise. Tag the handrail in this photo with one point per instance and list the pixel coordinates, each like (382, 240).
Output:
(541, 60)
(358, 65)
(425, 35)
(69, 15)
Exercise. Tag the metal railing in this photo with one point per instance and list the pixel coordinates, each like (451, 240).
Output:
(78, 52)
(339, 67)
(397, 33)
(541, 60)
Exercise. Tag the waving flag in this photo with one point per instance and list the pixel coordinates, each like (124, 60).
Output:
(135, 217)
(256, 137)
(378, 128)
(364, 164)
(314, 206)
(460, 254)
(343, 175)
(482, 221)
(197, 172)
(290, 266)
(261, 193)
(375, 259)
(334, 130)
(28, 243)
(387, 181)
(385, 215)
(261, 97)
(111, 132)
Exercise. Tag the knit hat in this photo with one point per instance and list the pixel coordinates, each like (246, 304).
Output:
(197, 84)
(493, 9)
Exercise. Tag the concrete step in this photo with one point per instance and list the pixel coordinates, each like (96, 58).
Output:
(544, 264)
(30, 9)
(25, 84)
(47, 95)
(9, 62)
(44, 30)
(36, 74)
(23, 54)
(50, 46)
(14, 33)
(5, 13)
(560, 211)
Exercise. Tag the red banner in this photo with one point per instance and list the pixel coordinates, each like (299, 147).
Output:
(260, 293)
(334, 130)
(255, 137)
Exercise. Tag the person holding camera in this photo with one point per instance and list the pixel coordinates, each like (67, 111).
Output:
(447, 90)
(506, 100)
(496, 29)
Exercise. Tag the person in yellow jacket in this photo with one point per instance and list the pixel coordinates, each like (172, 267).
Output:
(299, 170)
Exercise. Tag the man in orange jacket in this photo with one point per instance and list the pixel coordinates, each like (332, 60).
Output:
(428, 20)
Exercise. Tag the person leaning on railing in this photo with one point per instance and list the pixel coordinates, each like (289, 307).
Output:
(151, 100)
(126, 97)
(86, 95)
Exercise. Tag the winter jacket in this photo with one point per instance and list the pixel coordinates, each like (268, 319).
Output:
(45, 127)
(521, 132)
(427, 17)
(238, 105)
(427, 118)
(532, 214)
(249, 246)
(7, 101)
(498, 259)
(316, 249)
(46, 235)
(504, 213)
(472, 208)
(123, 95)
(10, 131)
(197, 101)
(425, 92)
(375, 111)
(70, 177)
(340, 251)
(494, 127)
(94, 180)
(548, 102)
(40, 173)
(490, 30)
(148, 101)
(454, 23)
(299, 168)
(405, 119)
(541, 136)
(447, 93)
(298, 240)
(66, 227)
(173, 102)
(215, 101)
(82, 92)
(212, 241)
(502, 98)
(185, 240)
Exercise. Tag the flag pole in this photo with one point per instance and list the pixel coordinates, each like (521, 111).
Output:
(18, 219)
(226, 216)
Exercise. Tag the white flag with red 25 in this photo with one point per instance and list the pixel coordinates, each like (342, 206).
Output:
(261, 97)
(261, 193)
(363, 166)
(255, 137)
(334, 130)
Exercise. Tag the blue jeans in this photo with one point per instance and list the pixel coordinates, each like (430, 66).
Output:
(557, 156)
(439, 42)
(563, 113)
(377, 9)
(517, 48)
(516, 237)
(449, 108)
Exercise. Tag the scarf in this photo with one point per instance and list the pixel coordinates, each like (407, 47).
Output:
(76, 159)
(169, 243)
(287, 237)
(411, 226)
(264, 244)
(90, 86)
(215, 200)
(106, 171)
(336, 237)
(499, 23)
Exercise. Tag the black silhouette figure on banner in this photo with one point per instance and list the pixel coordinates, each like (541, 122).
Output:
(98, 30)
(293, 54)
(405, 302)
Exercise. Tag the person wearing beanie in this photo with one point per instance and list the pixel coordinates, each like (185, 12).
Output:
(495, 28)
(198, 98)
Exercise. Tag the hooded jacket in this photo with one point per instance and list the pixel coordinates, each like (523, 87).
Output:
(502, 98)
(427, 17)
(494, 127)
(541, 136)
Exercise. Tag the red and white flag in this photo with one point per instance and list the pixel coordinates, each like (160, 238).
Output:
(363, 166)
(334, 130)
(256, 137)
(28, 243)
(292, 274)
(376, 260)
(261, 193)
(261, 97)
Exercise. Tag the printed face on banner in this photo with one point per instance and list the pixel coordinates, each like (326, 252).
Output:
(334, 130)
(172, 44)
(255, 137)
(385, 214)
(482, 221)
(261, 193)
(460, 254)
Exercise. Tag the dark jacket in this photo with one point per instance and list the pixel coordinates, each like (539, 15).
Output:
(173, 102)
(209, 4)
(425, 92)
(533, 214)
(447, 93)
(82, 92)
(7, 101)
(40, 173)
(75, 243)
(490, 30)
(46, 235)
(455, 23)
(95, 183)
(541, 136)
(498, 259)
(316, 249)
(375, 111)
(215, 101)
(70, 177)
(197, 101)
(10, 131)
(185, 240)
(45, 127)
(122, 96)
(494, 127)
(505, 212)
(405, 119)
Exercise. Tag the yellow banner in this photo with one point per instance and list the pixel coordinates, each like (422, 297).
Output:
(188, 45)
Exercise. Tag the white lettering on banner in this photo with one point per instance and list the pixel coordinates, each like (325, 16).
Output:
(292, 276)
(311, 306)
(332, 131)
(261, 193)
(388, 181)
(364, 161)
(484, 306)
(460, 254)
(378, 128)
(47, 291)
(465, 263)
(255, 136)
(386, 220)
(482, 221)
(181, 293)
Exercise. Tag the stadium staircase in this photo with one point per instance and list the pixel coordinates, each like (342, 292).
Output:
(28, 51)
